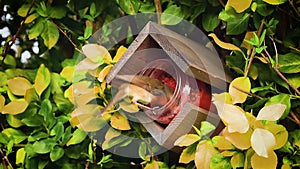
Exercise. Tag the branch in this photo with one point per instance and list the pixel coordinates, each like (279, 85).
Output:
(222, 3)
(65, 34)
(281, 75)
(294, 8)
(295, 118)
(9, 43)
(158, 10)
(4, 160)
(253, 50)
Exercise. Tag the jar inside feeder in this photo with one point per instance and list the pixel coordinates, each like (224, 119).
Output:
(177, 90)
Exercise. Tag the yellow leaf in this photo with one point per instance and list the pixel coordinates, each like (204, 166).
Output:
(31, 95)
(119, 121)
(70, 94)
(187, 156)
(239, 140)
(112, 133)
(96, 53)
(104, 72)
(121, 50)
(271, 112)
(223, 98)
(31, 18)
(129, 107)
(152, 165)
(224, 45)
(2, 101)
(239, 89)
(262, 142)
(68, 73)
(258, 162)
(275, 2)
(85, 118)
(234, 118)
(84, 99)
(187, 140)
(228, 153)
(221, 143)
(20, 156)
(238, 5)
(248, 155)
(286, 166)
(280, 133)
(15, 107)
(249, 35)
(42, 79)
(204, 153)
(18, 85)
(87, 64)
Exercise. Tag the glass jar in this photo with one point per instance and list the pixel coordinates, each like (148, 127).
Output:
(178, 89)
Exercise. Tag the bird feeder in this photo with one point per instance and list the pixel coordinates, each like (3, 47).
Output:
(189, 68)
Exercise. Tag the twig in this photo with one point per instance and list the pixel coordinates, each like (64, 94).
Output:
(281, 75)
(158, 10)
(65, 34)
(295, 118)
(276, 53)
(291, 47)
(294, 8)
(9, 43)
(251, 94)
(253, 52)
(222, 3)
(5, 160)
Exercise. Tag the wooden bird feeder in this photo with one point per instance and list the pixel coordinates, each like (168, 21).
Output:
(192, 59)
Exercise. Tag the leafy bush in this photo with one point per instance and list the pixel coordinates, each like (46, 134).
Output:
(257, 39)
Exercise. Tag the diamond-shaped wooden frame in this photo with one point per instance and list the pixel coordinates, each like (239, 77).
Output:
(191, 58)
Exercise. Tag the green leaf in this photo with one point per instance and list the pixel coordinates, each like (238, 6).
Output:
(23, 10)
(275, 2)
(20, 156)
(236, 23)
(58, 12)
(3, 138)
(130, 6)
(172, 15)
(56, 153)
(237, 160)
(10, 61)
(36, 30)
(283, 99)
(289, 63)
(188, 154)
(13, 121)
(220, 162)
(78, 136)
(17, 135)
(210, 21)
(42, 79)
(43, 146)
(206, 128)
(50, 34)
(264, 9)
(143, 150)
(294, 79)
(57, 131)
